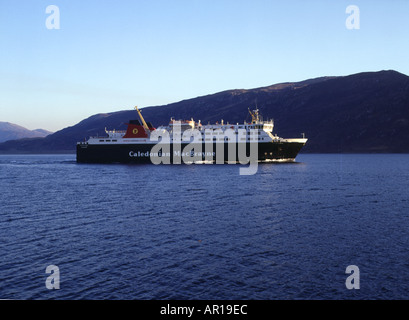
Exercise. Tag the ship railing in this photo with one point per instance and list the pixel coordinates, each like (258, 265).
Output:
(115, 131)
(108, 132)
(265, 122)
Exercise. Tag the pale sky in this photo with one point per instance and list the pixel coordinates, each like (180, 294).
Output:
(112, 55)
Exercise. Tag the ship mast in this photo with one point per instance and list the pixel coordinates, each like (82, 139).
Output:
(142, 119)
(254, 115)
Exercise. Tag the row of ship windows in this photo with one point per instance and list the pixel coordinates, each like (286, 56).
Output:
(243, 127)
(228, 139)
(207, 139)
(220, 133)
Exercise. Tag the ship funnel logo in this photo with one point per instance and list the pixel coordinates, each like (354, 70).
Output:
(135, 131)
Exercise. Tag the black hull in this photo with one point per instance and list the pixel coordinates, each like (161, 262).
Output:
(142, 153)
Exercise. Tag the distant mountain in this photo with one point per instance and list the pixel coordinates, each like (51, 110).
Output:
(364, 112)
(11, 131)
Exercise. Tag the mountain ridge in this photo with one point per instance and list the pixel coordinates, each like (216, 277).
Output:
(366, 112)
(12, 131)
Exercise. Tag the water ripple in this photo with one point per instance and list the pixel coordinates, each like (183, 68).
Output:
(205, 232)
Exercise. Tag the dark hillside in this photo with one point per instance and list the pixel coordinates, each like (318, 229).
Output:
(365, 112)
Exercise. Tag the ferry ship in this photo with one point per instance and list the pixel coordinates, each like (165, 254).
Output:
(188, 141)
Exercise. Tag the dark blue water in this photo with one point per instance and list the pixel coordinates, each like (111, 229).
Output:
(204, 231)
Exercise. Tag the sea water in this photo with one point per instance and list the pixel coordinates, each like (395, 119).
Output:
(204, 231)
